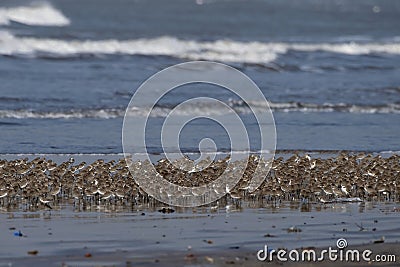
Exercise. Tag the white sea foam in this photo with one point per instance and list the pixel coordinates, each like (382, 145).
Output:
(71, 114)
(220, 50)
(39, 14)
(201, 110)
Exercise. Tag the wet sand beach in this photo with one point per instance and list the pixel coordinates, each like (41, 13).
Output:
(200, 237)
(216, 258)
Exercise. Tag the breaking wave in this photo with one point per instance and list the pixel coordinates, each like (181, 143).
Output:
(39, 14)
(200, 109)
(219, 50)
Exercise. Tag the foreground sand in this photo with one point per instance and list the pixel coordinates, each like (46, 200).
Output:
(191, 258)
(201, 237)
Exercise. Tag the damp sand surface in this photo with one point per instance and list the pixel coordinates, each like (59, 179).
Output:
(106, 236)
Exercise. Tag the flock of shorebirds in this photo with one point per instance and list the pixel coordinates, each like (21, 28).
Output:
(41, 183)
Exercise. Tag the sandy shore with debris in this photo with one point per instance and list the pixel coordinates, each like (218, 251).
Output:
(173, 259)
(106, 236)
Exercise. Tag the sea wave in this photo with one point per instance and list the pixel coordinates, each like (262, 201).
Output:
(109, 156)
(38, 14)
(200, 109)
(219, 50)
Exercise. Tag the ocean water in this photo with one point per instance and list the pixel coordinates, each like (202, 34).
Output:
(330, 69)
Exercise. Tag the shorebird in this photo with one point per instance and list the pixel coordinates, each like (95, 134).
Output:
(369, 190)
(45, 200)
(344, 190)
(3, 194)
(337, 192)
(55, 189)
(327, 191)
